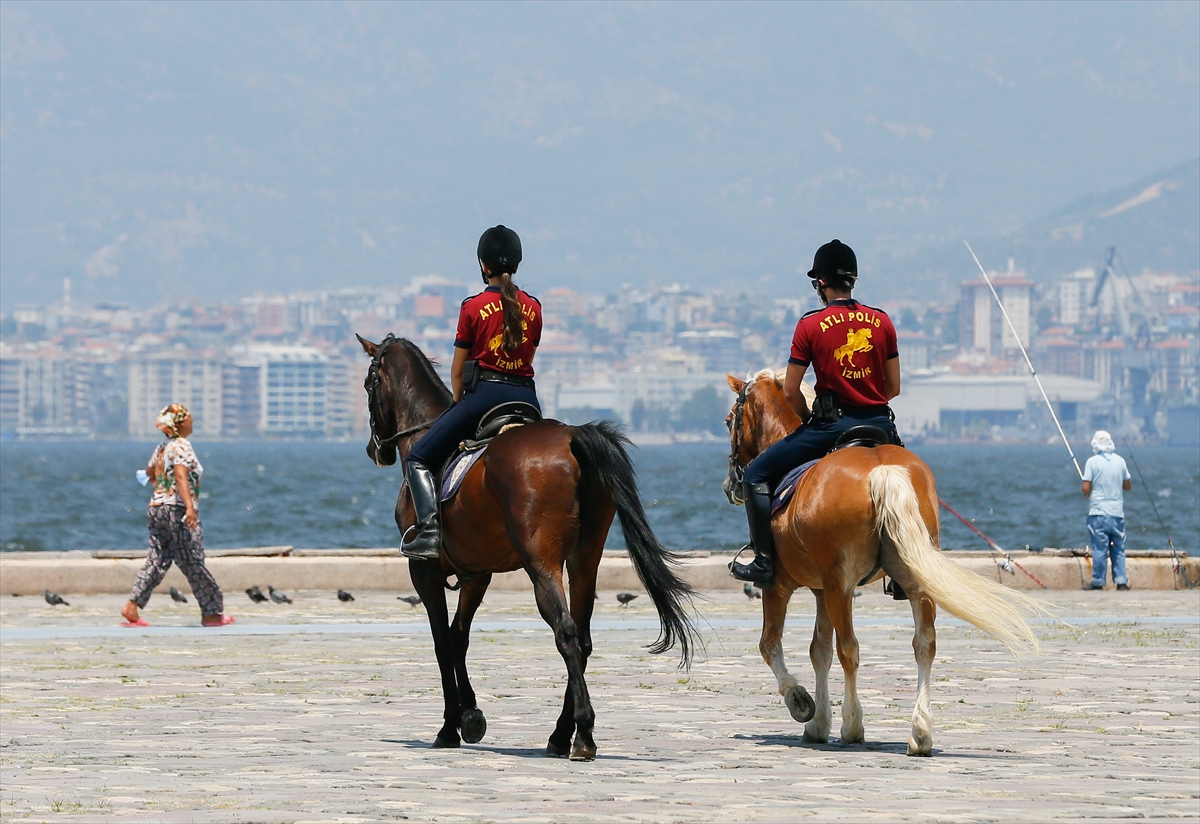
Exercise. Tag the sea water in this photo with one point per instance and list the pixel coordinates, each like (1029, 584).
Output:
(84, 495)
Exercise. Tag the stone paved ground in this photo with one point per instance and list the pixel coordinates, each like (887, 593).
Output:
(323, 712)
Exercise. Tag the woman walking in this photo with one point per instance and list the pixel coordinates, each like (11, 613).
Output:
(175, 532)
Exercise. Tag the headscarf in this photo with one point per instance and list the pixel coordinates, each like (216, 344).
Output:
(1102, 442)
(169, 419)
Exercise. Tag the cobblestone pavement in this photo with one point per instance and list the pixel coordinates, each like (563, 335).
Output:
(323, 711)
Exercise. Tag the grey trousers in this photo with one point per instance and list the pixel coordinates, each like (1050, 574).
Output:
(171, 541)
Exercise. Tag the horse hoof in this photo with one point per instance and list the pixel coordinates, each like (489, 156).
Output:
(583, 750)
(814, 738)
(441, 743)
(800, 704)
(556, 750)
(473, 726)
(920, 746)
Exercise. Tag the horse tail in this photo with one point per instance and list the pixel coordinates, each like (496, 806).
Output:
(600, 450)
(992, 607)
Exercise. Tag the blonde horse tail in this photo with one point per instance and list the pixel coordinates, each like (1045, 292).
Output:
(992, 607)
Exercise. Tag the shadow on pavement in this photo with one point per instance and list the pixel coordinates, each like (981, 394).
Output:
(514, 752)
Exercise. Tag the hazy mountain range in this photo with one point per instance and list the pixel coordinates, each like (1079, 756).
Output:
(214, 150)
(1154, 223)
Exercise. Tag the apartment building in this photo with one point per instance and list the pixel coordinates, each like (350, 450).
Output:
(982, 328)
(290, 384)
(161, 379)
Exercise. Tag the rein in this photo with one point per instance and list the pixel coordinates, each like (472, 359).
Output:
(737, 473)
(373, 398)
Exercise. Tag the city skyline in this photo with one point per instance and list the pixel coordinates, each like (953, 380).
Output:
(1114, 349)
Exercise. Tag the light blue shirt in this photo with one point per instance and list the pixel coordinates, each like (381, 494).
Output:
(1108, 474)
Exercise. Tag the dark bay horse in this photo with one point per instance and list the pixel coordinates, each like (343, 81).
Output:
(541, 499)
(857, 514)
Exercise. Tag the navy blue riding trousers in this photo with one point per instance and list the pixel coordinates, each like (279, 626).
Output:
(811, 441)
(461, 421)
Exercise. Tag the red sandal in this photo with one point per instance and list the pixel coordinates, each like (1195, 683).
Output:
(217, 621)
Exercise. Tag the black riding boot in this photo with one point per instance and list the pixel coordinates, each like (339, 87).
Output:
(424, 539)
(761, 570)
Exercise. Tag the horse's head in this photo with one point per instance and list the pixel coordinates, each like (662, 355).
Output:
(402, 387)
(760, 416)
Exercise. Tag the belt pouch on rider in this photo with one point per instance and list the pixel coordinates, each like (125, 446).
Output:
(470, 375)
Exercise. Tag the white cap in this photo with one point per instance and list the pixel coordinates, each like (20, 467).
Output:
(1102, 442)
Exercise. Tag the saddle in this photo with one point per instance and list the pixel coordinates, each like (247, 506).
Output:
(496, 420)
(861, 435)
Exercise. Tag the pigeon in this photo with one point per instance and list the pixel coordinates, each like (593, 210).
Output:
(625, 598)
(177, 596)
(344, 597)
(277, 596)
(751, 591)
(256, 595)
(411, 600)
(54, 599)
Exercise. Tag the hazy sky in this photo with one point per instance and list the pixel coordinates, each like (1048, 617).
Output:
(218, 149)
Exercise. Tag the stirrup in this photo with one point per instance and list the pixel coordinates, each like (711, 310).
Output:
(893, 588)
(753, 572)
(423, 546)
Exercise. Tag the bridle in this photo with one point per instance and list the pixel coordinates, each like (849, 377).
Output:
(737, 472)
(373, 384)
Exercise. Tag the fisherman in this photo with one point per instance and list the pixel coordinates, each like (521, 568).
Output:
(1106, 479)
(852, 350)
(498, 333)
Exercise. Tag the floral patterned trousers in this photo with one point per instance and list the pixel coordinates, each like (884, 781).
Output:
(171, 541)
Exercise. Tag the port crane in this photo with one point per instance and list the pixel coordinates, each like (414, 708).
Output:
(1137, 329)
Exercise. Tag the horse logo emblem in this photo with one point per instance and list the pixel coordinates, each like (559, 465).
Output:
(496, 343)
(857, 340)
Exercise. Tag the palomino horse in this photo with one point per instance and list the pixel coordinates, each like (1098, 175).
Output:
(858, 514)
(542, 498)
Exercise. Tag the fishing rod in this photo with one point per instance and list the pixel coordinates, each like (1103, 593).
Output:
(1178, 567)
(1008, 563)
(1028, 362)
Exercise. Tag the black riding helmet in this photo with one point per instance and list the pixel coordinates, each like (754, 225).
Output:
(499, 250)
(835, 264)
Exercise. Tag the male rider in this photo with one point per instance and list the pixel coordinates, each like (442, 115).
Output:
(852, 350)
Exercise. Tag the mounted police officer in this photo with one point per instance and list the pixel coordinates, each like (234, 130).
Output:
(498, 333)
(852, 350)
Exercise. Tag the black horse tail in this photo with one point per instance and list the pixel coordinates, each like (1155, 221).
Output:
(600, 450)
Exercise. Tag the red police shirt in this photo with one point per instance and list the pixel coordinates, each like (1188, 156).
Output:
(847, 344)
(481, 332)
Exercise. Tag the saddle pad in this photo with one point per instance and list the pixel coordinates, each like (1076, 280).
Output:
(456, 471)
(787, 487)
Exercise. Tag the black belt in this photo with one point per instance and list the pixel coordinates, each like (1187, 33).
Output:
(866, 411)
(504, 377)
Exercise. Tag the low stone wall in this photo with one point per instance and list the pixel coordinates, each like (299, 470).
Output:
(112, 572)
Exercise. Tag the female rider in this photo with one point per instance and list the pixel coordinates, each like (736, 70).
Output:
(499, 330)
(852, 350)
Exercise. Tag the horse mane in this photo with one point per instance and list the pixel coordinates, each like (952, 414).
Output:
(424, 367)
(776, 375)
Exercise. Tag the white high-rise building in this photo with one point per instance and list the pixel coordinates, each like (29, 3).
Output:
(166, 378)
(43, 394)
(1074, 295)
(292, 383)
(982, 325)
